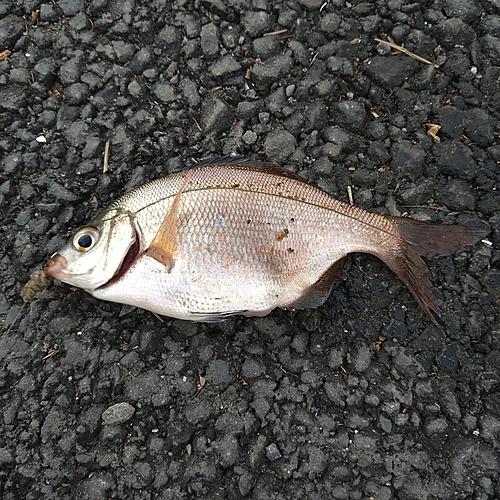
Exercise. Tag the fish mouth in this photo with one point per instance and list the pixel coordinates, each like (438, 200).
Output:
(56, 267)
(127, 262)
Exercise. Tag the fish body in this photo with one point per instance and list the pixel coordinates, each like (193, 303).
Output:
(234, 236)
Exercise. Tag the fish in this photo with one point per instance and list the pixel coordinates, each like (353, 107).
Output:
(233, 236)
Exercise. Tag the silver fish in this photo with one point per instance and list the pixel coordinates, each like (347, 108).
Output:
(233, 236)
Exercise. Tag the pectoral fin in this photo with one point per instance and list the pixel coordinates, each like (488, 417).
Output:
(164, 244)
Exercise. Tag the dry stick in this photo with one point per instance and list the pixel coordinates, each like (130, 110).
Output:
(106, 158)
(406, 51)
(197, 124)
(349, 193)
(280, 32)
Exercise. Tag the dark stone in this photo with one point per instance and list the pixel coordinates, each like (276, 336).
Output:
(330, 23)
(169, 39)
(378, 153)
(479, 127)
(467, 10)
(219, 373)
(457, 63)
(452, 32)
(48, 12)
(454, 158)
(256, 23)
(77, 93)
(46, 71)
(272, 452)
(71, 7)
(13, 98)
(489, 202)
(271, 71)
(266, 47)
(215, 116)
(279, 146)
(350, 115)
(451, 120)
(124, 51)
(225, 67)
(456, 194)
(408, 159)
(11, 29)
(389, 71)
(449, 358)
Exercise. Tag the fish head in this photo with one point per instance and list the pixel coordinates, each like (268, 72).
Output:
(98, 252)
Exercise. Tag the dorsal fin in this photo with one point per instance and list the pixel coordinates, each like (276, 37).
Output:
(248, 163)
(164, 243)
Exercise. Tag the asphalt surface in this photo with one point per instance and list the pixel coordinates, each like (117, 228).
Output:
(361, 398)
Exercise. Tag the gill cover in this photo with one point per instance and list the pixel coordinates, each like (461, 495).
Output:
(96, 252)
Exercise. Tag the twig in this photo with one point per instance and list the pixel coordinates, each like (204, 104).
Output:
(349, 193)
(158, 317)
(405, 51)
(275, 33)
(312, 60)
(105, 167)
(197, 124)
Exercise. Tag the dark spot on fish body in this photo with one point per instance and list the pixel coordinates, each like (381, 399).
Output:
(249, 221)
(291, 250)
(282, 234)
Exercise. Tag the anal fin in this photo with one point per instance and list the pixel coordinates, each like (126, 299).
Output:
(164, 244)
(316, 294)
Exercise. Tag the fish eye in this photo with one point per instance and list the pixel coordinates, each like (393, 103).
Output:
(85, 239)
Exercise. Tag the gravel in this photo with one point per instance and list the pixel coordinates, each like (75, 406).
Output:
(361, 398)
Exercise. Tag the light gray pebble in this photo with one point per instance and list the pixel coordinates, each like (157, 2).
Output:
(249, 137)
(118, 414)
(165, 92)
(272, 452)
(209, 41)
(264, 117)
(135, 89)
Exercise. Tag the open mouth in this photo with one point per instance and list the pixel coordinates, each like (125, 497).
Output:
(129, 259)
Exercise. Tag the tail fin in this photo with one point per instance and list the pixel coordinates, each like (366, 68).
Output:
(419, 239)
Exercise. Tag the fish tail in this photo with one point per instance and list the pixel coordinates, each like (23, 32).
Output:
(417, 240)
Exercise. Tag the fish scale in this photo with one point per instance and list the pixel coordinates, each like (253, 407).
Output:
(235, 236)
